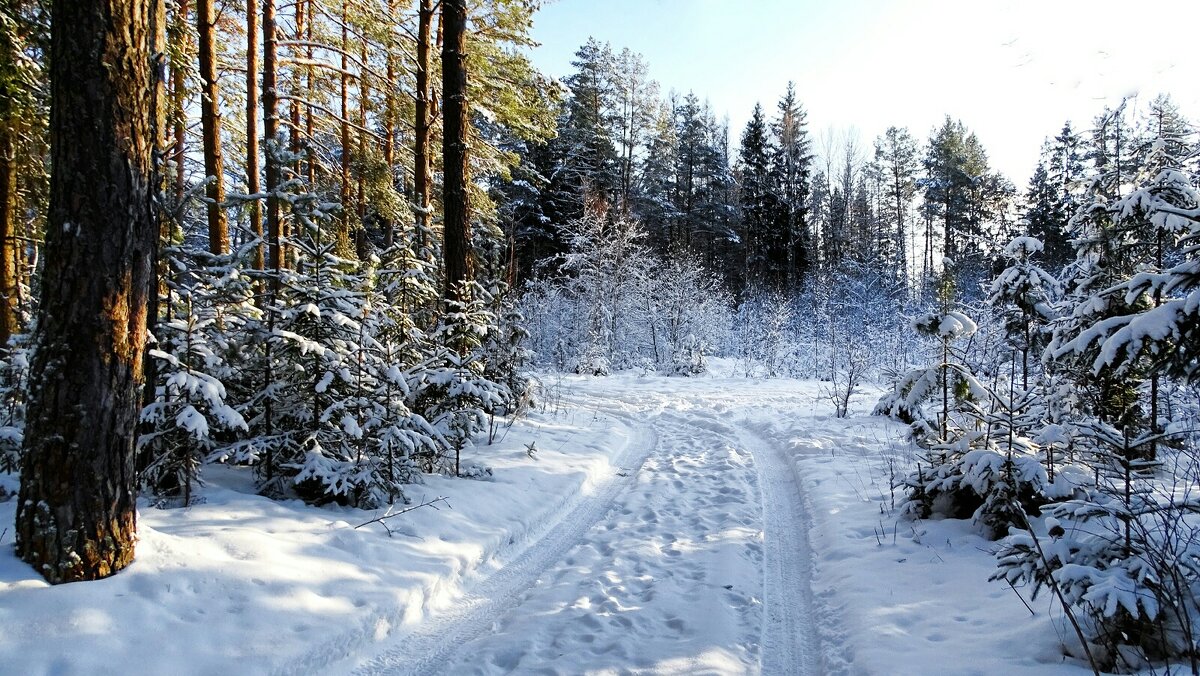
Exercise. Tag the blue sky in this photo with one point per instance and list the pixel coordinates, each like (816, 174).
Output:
(1012, 71)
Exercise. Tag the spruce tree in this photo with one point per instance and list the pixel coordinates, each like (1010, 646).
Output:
(1046, 220)
(898, 163)
(756, 196)
(955, 166)
(791, 171)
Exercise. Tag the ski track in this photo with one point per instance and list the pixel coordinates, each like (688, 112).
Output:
(428, 645)
(698, 561)
(658, 585)
(788, 638)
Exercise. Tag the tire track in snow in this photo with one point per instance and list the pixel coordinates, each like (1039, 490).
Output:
(429, 644)
(667, 582)
(790, 640)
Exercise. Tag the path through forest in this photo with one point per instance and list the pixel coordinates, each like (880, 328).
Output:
(664, 525)
(693, 558)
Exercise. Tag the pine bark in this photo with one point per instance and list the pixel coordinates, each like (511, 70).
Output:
(344, 126)
(272, 175)
(9, 292)
(210, 124)
(10, 297)
(301, 19)
(270, 104)
(76, 513)
(179, 100)
(252, 182)
(456, 229)
(422, 184)
(389, 129)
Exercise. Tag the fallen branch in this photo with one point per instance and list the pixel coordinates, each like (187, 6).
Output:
(390, 514)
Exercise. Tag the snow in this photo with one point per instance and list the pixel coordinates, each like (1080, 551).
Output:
(191, 420)
(665, 525)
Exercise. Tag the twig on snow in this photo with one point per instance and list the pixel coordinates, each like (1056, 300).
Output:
(381, 520)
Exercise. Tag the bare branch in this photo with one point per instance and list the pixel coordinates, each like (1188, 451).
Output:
(390, 514)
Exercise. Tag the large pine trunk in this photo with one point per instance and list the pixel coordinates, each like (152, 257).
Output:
(456, 237)
(422, 183)
(76, 514)
(270, 104)
(9, 251)
(9, 291)
(179, 100)
(210, 123)
(252, 184)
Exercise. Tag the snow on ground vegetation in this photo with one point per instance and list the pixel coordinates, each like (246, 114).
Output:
(635, 523)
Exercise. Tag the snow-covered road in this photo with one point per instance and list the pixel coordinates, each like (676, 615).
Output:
(693, 559)
(664, 525)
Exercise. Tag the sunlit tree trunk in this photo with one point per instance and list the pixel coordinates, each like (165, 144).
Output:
(252, 184)
(422, 183)
(76, 514)
(179, 98)
(9, 296)
(456, 229)
(210, 123)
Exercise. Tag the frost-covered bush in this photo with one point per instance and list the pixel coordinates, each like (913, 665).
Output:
(689, 314)
(763, 335)
(846, 327)
(14, 380)
(607, 271)
(551, 316)
(858, 329)
(612, 304)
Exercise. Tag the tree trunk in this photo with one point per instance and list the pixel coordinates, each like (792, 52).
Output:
(422, 184)
(270, 103)
(179, 99)
(310, 84)
(343, 238)
(10, 252)
(301, 18)
(901, 251)
(9, 295)
(210, 123)
(162, 140)
(456, 229)
(252, 184)
(76, 514)
(362, 246)
(389, 129)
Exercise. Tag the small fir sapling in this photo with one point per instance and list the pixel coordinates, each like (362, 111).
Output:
(1024, 294)
(457, 395)
(190, 416)
(14, 373)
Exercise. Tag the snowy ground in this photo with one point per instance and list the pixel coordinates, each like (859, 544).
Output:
(663, 525)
